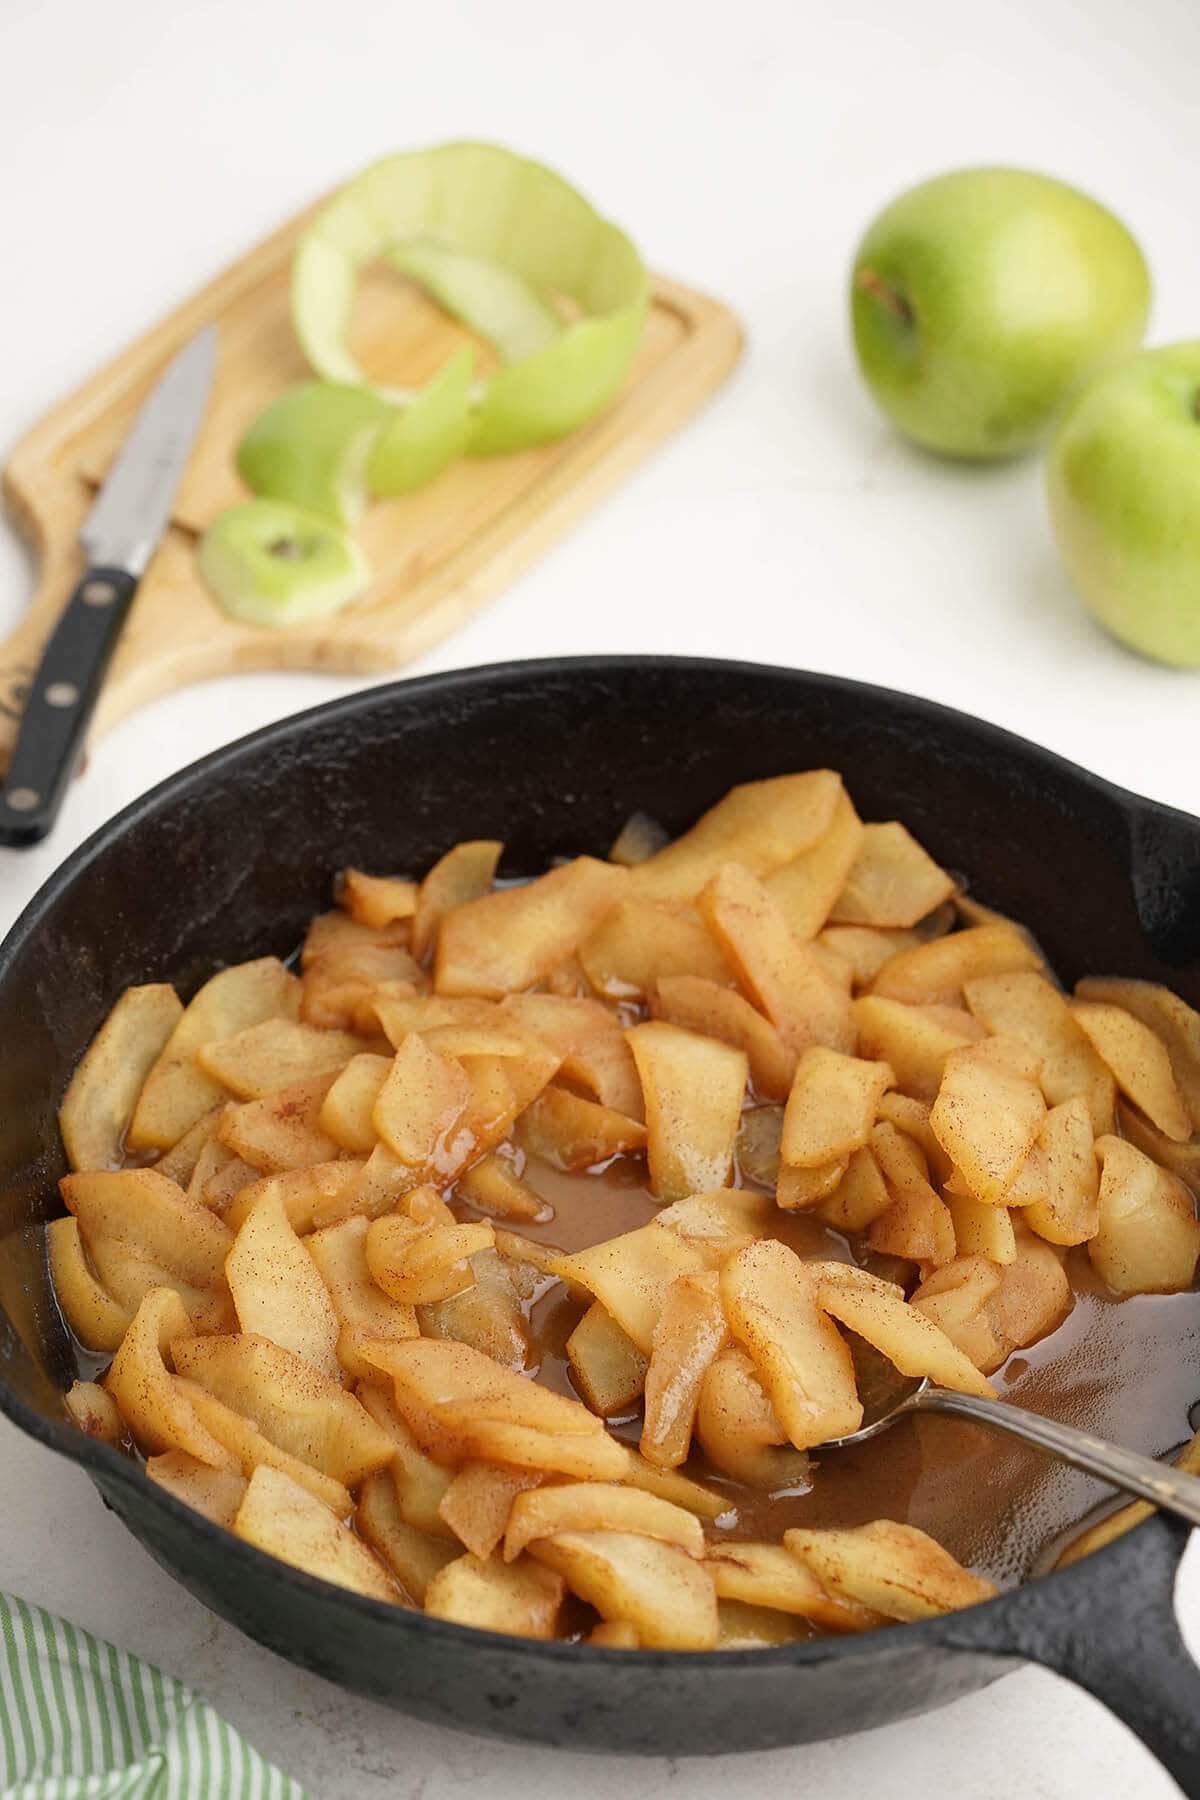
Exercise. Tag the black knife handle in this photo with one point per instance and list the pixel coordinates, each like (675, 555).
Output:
(61, 700)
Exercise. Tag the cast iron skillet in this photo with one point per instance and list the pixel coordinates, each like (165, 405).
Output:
(229, 859)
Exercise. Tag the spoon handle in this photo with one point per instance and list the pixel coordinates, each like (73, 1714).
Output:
(1159, 1483)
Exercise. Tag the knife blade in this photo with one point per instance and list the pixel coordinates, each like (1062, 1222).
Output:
(119, 537)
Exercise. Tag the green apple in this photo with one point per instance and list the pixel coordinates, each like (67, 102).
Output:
(1124, 489)
(311, 448)
(982, 300)
(268, 563)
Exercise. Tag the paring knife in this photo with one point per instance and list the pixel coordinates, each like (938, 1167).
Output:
(119, 537)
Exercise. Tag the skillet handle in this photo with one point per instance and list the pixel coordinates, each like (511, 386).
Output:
(1116, 1636)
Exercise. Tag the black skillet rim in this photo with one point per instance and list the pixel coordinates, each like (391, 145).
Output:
(109, 1468)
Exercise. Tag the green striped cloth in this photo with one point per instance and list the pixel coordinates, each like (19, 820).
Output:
(81, 1720)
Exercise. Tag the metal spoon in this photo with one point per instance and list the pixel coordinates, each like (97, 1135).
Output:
(1157, 1482)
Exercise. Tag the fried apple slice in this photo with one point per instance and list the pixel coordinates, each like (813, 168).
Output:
(669, 1484)
(831, 1108)
(362, 1310)
(277, 1291)
(493, 1185)
(250, 1449)
(1148, 1240)
(908, 1338)
(719, 1222)
(860, 1197)
(917, 1225)
(96, 1317)
(144, 1208)
(598, 1506)
(912, 1041)
(771, 1305)
(214, 1493)
(704, 1006)
(477, 1503)
(347, 1111)
(866, 948)
(282, 1131)
(665, 1594)
(986, 1118)
(1066, 1210)
(629, 1275)
(461, 1407)
(615, 1634)
(1139, 1064)
(956, 1298)
(693, 1090)
(761, 824)
(376, 900)
(1034, 1295)
(982, 1230)
(302, 1192)
(1181, 1159)
(521, 1599)
(756, 1149)
(157, 1412)
(768, 1575)
(179, 1163)
(97, 1414)
(291, 1403)
(572, 1133)
(98, 1104)
(1173, 1022)
(506, 941)
(911, 1117)
(419, 1482)
(640, 838)
(937, 972)
(177, 1091)
(755, 1627)
(488, 1315)
(691, 1330)
(641, 942)
(274, 1054)
(806, 888)
(282, 1518)
(412, 1556)
(786, 978)
(892, 880)
(417, 1265)
(419, 1104)
(589, 1038)
(893, 1569)
(466, 872)
(607, 1366)
(1025, 1006)
(798, 1190)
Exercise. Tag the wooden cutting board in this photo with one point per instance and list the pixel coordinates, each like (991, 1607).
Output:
(436, 555)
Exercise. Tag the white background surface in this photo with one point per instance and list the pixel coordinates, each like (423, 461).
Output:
(745, 146)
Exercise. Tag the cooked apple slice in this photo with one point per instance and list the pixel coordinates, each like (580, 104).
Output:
(982, 1230)
(831, 1107)
(158, 1413)
(590, 1040)
(913, 1041)
(479, 1500)
(277, 1290)
(690, 1332)
(521, 1599)
(302, 1192)
(768, 1575)
(640, 942)
(1065, 1211)
(1172, 1020)
(347, 1111)
(177, 1092)
(363, 1311)
(937, 972)
(465, 873)
(147, 1210)
(1148, 1241)
(249, 1448)
(282, 1131)
(892, 880)
(274, 1054)
(986, 1118)
(704, 1006)
(97, 1414)
(956, 1297)
(1139, 1063)
(98, 1104)
(893, 1569)
(1026, 1006)
(419, 1482)
(413, 1556)
(420, 1102)
(806, 888)
(669, 1484)
(771, 1304)
(290, 1402)
(739, 1430)
(416, 1265)
(860, 1197)
(665, 1594)
(630, 1275)
(98, 1319)
(505, 941)
(693, 1090)
(786, 978)
(918, 1224)
(282, 1518)
(607, 1367)
(215, 1493)
(876, 1311)
(598, 1506)
(493, 1185)
(761, 824)
(572, 1133)
(376, 900)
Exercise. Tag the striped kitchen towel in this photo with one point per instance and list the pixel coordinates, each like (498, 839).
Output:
(81, 1720)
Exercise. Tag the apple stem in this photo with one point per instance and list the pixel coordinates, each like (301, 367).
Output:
(877, 287)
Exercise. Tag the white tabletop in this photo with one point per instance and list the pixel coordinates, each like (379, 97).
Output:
(745, 146)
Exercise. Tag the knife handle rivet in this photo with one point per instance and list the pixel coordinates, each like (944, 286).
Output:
(23, 799)
(98, 593)
(62, 693)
